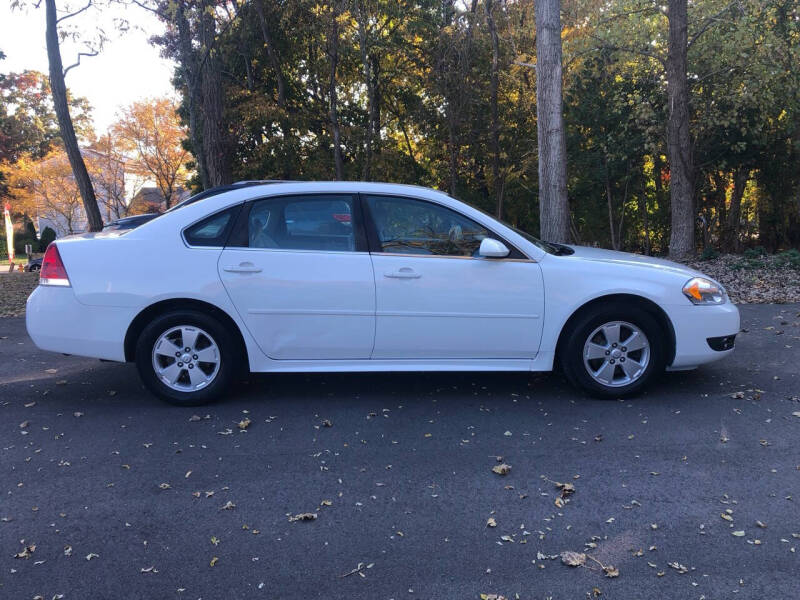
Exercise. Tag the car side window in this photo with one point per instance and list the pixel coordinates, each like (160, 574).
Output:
(409, 226)
(213, 230)
(318, 222)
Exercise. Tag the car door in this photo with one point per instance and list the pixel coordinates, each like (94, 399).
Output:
(298, 271)
(436, 298)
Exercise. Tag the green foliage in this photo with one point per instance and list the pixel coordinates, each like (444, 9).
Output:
(755, 252)
(430, 63)
(28, 123)
(48, 235)
(709, 253)
(789, 258)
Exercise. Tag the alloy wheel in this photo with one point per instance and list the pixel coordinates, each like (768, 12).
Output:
(186, 358)
(616, 354)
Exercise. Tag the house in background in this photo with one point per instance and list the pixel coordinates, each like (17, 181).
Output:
(149, 199)
(115, 184)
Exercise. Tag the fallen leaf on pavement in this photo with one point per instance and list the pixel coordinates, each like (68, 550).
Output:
(573, 559)
(26, 552)
(501, 469)
(304, 517)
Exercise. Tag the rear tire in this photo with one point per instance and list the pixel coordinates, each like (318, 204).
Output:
(187, 358)
(595, 358)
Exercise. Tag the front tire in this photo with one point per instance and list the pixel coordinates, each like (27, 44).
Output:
(613, 351)
(187, 357)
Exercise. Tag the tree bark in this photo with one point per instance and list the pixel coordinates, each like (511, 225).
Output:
(610, 202)
(215, 134)
(730, 235)
(188, 70)
(272, 55)
(679, 149)
(553, 204)
(333, 55)
(369, 79)
(59, 91)
(494, 84)
(645, 219)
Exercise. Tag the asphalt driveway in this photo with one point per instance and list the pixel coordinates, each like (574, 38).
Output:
(692, 491)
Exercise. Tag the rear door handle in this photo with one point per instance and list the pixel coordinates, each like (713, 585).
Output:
(403, 273)
(242, 268)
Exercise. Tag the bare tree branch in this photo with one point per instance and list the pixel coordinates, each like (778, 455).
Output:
(709, 22)
(629, 49)
(77, 12)
(78, 62)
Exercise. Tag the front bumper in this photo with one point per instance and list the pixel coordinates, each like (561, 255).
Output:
(695, 328)
(57, 322)
(722, 343)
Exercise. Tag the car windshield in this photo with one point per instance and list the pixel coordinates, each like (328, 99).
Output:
(546, 246)
(542, 245)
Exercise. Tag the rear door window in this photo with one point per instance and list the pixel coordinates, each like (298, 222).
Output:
(314, 222)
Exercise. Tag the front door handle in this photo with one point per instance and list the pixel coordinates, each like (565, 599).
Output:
(403, 273)
(242, 268)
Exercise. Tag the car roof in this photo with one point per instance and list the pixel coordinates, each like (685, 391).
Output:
(219, 189)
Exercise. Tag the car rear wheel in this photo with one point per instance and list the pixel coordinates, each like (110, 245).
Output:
(613, 351)
(187, 358)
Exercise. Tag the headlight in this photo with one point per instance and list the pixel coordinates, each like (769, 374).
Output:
(704, 291)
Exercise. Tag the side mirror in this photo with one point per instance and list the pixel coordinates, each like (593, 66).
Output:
(492, 249)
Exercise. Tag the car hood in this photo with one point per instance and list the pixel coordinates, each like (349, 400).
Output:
(628, 259)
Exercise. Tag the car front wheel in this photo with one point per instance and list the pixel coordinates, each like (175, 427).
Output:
(187, 358)
(613, 351)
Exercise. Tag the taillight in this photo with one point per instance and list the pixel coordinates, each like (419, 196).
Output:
(342, 217)
(53, 271)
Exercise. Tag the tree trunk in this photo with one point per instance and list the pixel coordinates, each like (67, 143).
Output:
(494, 83)
(369, 80)
(553, 204)
(645, 219)
(59, 90)
(272, 55)
(280, 82)
(679, 149)
(730, 235)
(610, 202)
(333, 55)
(188, 70)
(215, 134)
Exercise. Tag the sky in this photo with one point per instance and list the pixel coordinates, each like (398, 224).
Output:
(127, 69)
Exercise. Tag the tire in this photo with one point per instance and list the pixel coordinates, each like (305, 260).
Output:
(195, 381)
(588, 351)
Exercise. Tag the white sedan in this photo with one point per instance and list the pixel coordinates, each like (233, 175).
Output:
(301, 277)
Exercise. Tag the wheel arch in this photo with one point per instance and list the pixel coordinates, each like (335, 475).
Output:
(147, 314)
(631, 299)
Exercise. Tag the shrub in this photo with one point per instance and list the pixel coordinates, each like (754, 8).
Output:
(789, 258)
(756, 252)
(48, 235)
(709, 253)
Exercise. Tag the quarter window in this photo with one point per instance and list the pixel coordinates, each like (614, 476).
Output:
(213, 230)
(323, 222)
(408, 226)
